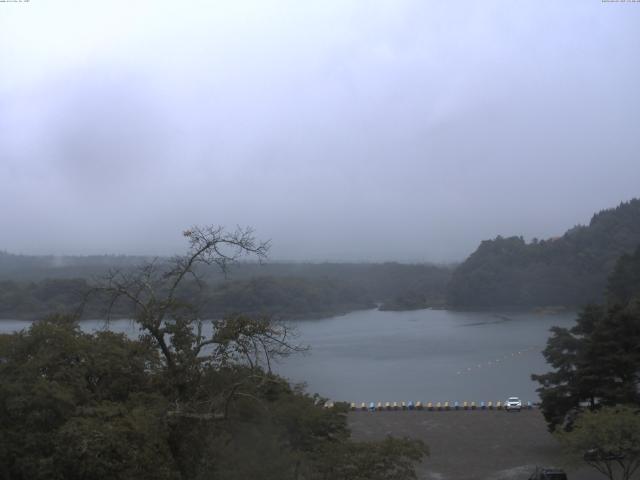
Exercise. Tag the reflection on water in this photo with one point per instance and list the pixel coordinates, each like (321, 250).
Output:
(426, 355)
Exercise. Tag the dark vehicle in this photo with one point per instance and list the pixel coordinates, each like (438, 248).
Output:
(548, 474)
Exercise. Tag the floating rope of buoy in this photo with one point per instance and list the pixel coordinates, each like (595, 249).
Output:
(495, 362)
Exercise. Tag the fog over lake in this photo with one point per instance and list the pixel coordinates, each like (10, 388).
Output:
(423, 355)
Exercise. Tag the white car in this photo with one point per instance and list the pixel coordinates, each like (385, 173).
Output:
(513, 403)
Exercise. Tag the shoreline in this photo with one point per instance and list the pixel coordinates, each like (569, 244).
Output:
(550, 310)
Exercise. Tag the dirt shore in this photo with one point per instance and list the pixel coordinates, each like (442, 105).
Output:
(473, 445)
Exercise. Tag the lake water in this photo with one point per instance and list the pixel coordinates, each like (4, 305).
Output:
(424, 355)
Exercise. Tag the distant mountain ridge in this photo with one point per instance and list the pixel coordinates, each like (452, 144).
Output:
(567, 271)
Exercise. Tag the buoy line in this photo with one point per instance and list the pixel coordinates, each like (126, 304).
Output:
(497, 361)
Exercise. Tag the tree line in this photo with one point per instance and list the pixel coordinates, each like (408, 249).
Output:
(285, 290)
(570, 270)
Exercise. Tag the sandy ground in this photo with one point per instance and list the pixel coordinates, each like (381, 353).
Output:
(473, 445)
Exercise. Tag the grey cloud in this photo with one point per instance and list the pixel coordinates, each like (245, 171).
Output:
(341, 130)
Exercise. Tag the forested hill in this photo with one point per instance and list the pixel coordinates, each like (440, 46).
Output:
(569, 271)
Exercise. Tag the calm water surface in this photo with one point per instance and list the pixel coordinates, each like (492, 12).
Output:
(426, 355)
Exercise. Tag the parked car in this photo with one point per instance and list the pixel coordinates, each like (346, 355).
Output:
(513, 403)
(548, 474)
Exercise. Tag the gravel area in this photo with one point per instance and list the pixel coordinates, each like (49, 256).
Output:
(473, 444)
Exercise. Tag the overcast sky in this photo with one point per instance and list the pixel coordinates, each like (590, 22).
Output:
(341, 130)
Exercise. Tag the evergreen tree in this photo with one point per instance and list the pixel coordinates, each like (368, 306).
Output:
(597, 362)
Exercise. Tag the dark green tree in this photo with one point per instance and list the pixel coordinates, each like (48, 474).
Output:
(76, 406)
(596, 362)
(608, 440)
(624, 282)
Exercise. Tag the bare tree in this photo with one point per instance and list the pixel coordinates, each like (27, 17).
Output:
(155, 292)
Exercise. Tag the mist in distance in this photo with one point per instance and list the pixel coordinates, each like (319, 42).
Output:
(340, 130)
